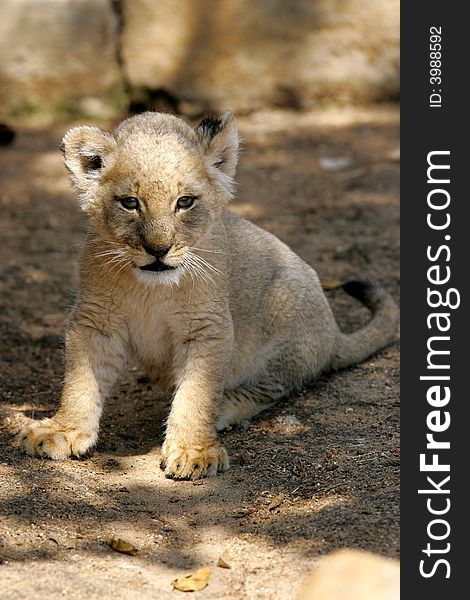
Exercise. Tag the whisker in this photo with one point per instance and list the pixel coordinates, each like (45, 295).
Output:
(198, 267)
(206, 263)
(122, 267)
(115, 259)
(186, 264)
(116, 253)
(116, 264)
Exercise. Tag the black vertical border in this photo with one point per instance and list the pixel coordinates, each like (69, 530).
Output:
(424, 129)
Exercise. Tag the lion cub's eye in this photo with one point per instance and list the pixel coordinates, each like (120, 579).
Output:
(129, 202)
(185, 202)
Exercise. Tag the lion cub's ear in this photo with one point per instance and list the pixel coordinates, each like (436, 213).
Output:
(219, 139)
(85, 150)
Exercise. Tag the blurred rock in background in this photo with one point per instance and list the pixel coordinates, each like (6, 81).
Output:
(59, 57)
(247, 55)
(93, 57)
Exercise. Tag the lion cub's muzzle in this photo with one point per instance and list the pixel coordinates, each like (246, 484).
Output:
(157, 265)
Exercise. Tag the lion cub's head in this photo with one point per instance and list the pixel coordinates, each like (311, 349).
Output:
(153, 187)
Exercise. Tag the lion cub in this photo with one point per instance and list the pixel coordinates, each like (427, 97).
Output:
(222, 311)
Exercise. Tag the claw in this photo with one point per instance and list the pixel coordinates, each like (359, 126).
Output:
(193, 462)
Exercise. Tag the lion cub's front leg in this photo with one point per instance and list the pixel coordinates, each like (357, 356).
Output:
(191, 449)
(92, 363)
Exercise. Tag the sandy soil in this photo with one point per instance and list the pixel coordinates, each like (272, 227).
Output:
(319, 472)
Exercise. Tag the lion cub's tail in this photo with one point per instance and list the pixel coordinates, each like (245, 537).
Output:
(379, 332)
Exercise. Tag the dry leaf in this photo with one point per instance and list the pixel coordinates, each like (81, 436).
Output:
(330, 284)
(277, 501)
(194, 581)
(121, 545)
(224, 560)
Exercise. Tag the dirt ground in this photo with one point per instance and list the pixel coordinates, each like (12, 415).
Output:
(319, 472)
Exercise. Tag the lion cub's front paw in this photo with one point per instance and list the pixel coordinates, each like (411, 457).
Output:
(49, 439)
(180, 461)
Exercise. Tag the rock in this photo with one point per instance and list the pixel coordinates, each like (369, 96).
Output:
(225, 560)
(244, 55)
(69, 58)
(59, 56)
(335, 163)
(353, 575)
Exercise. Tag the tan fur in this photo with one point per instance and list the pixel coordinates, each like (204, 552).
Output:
(241, 322)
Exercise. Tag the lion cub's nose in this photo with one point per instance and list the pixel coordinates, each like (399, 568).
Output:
(157, 251)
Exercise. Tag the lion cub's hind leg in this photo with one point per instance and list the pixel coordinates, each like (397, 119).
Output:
(246, 402)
